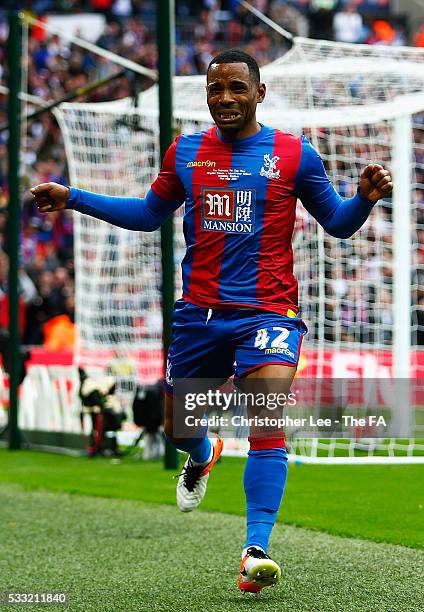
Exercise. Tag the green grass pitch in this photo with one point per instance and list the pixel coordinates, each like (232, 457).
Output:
(348, 538)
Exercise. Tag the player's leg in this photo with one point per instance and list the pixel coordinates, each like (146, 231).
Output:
(203, 454)
(265, 372)
(199, 447)
(264, 483)
(193, 355)
(266, 467)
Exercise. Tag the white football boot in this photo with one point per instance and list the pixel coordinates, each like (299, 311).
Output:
(192, 482)
(257, 570)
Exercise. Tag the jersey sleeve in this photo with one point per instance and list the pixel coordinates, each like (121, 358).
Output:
(168, 185)
(143, 214)
(340, 218)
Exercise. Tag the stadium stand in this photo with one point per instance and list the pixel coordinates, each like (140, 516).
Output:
(203, 28)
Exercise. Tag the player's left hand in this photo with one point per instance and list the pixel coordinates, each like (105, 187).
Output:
(375, 182)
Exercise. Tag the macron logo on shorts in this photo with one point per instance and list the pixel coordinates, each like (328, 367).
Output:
(228, 210)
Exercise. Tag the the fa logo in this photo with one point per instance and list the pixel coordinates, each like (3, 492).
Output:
(268, 169)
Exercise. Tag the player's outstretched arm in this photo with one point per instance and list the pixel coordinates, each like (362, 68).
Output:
(143, 214)
(340, 218)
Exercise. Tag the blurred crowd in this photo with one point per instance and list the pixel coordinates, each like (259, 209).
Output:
(54, 69)
(359, 274)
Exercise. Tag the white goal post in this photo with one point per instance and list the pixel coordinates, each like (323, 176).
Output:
(359, 297)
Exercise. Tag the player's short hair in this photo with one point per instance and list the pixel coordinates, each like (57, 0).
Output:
(234, 56)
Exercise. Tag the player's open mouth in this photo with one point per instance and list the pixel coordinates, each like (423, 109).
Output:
(228, 116)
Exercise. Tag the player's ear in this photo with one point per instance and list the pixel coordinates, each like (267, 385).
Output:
(260, 95)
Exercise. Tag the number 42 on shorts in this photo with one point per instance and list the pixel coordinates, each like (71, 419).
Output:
(274, 338)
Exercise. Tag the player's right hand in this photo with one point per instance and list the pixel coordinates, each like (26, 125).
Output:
(50, 196)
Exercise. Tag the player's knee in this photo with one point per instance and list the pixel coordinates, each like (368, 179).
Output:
(168, 428)
(168, 425)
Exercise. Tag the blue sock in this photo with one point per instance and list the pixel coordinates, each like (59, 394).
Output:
(264, 481)
(199, 449)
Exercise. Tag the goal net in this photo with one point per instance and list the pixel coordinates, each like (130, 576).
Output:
(362, 298)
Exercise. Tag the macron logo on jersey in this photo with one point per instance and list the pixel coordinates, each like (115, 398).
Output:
(208, 163)
(228, 210)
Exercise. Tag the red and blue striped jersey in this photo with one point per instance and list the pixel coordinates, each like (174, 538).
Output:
(239, 217)
(240, 198)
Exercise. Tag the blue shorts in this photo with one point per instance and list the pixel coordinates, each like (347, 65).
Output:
(219, 343)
